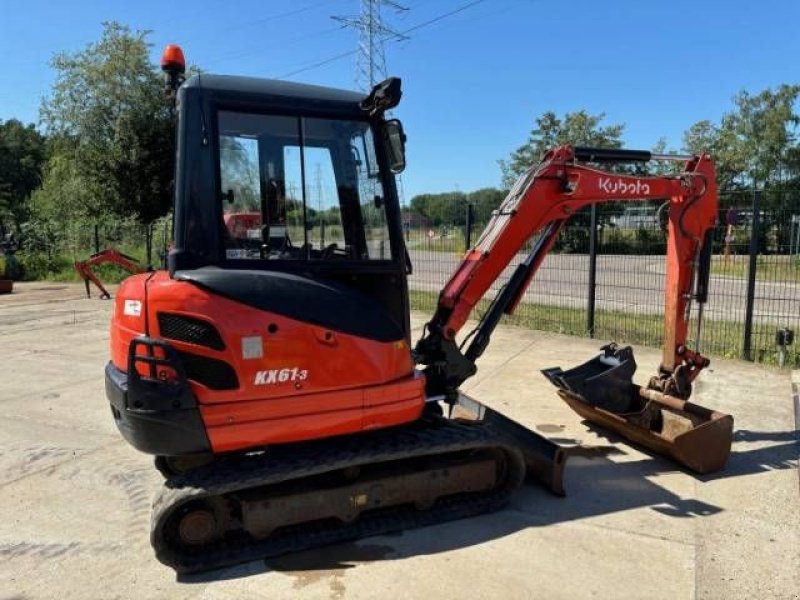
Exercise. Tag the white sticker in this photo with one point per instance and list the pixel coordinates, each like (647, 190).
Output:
(253, 234)
(133, 308)
(235, 253)
(252, 347)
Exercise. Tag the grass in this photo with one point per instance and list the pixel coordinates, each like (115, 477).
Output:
(768, 268)
(454, 244)
(722, 338)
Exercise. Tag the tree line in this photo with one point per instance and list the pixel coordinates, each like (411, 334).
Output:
(103, 150)
(754, 145)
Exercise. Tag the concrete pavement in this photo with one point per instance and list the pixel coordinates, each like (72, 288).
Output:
(75, 499)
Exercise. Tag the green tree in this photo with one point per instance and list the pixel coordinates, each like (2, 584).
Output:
(662, 168)
(754, 143)
(112, 129)
(701, 137)
(448, 208)
(484, 201)
(765, 125)
(22, 155)
(579, 128)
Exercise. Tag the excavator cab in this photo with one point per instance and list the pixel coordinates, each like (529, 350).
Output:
(291, 178)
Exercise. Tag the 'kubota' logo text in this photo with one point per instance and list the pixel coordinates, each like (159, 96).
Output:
(618, 186)
(280, 376)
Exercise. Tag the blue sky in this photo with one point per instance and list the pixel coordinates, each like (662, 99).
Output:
(473, 82)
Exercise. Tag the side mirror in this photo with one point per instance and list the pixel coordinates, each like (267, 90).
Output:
(395, 142)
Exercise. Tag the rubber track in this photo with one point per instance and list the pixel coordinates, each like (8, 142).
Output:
(226, 476)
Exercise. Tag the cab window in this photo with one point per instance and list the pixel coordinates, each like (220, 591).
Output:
(300, 189)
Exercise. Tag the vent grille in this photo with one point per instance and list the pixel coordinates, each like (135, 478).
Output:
(190, 330)
(212, 373)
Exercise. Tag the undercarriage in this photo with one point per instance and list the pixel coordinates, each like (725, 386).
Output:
(298, 496)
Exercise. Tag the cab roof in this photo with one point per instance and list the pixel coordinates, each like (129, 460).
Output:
(232, 85)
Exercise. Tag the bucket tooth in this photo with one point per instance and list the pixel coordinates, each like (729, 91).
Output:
(602, 392)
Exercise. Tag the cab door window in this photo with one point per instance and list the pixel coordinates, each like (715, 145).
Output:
(300, 189)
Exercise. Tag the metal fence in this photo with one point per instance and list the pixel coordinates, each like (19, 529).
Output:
(605, 276)
(603, 279)
(49, 249)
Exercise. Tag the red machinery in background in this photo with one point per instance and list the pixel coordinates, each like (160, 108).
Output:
(109, 255)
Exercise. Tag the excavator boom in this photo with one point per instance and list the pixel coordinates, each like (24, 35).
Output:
(543, 199)
(538, 206)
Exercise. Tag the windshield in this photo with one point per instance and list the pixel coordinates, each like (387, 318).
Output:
(300, 188)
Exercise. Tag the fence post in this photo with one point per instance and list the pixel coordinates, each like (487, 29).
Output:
(468, 227)
(747, 348)
(96, 238)
(148, 236)
(592, 272)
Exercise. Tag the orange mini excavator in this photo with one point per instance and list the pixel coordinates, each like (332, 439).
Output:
(270, 368)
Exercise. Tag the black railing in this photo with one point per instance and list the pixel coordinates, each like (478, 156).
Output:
(605, 276)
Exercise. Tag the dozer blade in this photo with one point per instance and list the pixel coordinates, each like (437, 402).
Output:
(544, 460)
(602, 392)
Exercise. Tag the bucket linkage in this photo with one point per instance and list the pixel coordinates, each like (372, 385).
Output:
(602, 392)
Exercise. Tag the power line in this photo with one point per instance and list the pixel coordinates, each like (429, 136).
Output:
(401, 33)
(282, 43)
(290, 13)
(318, 64)
(283, 15)
(442, 16)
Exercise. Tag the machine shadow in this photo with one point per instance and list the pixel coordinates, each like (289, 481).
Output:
(744, 461)
(595, 486)
(768, 455)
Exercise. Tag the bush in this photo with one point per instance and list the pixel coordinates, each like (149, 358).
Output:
(615, 241)
(37, 266)
(573, 240)
(650, 241)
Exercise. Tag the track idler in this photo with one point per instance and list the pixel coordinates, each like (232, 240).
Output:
(602, 392)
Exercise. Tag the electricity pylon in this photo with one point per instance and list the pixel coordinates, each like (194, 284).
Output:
(373, 32)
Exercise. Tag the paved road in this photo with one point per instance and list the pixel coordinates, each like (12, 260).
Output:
(75, 498)
(629, 283)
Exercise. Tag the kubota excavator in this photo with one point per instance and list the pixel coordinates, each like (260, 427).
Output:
(270, 367)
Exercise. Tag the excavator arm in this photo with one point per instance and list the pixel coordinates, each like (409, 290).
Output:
(541, 202)
(602, 390)
(109, 255)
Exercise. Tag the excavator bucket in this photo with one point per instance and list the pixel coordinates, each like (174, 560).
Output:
(602, 392)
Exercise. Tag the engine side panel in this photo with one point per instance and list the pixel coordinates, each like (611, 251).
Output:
(293, 380)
